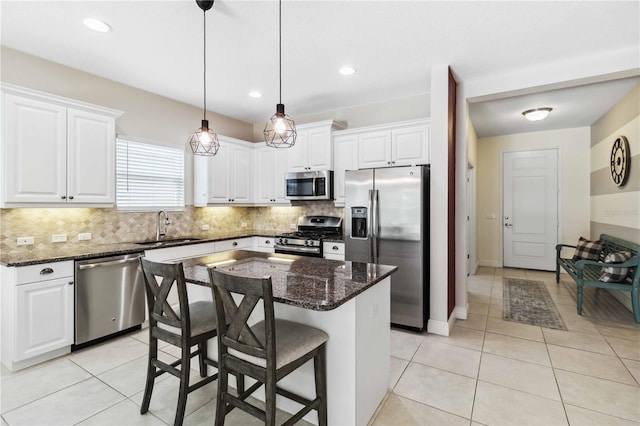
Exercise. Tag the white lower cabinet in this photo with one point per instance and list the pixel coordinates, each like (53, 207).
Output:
(37, 313)
(333, 250)
(264, 244)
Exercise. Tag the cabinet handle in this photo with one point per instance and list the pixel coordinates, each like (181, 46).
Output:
(64, 197)
(71, 197)
(70, 282)
(334, 248)
(46, 271)
(235, 243)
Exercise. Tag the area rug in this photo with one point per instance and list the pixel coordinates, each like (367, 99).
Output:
(529, 302)
(599, 304)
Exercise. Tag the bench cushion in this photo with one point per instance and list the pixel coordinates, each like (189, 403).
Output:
(589, 250)
(612, 274)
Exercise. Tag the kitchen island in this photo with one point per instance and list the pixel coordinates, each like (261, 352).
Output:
(350, 301)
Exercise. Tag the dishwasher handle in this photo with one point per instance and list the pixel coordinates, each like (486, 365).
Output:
(111, 263)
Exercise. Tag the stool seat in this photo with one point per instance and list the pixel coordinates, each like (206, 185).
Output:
(293, 341)
(202, 315)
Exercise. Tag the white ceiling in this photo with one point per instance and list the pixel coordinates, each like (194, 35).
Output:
(157, 46)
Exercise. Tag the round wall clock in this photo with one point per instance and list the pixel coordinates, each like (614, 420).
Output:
(620, 159)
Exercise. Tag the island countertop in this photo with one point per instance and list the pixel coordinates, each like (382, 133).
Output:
(307, 282)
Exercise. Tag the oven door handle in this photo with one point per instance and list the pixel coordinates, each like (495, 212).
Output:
(300, 249)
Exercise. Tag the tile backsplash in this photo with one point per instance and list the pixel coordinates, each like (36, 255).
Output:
(113, 226)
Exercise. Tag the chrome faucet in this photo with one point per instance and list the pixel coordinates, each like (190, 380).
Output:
(166, 224)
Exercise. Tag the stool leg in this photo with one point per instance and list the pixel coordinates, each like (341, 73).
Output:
(151, 373)
(270, 398)
(185, 366)
(202, 347)
(223, 388)
(635, 303)
(320, 368)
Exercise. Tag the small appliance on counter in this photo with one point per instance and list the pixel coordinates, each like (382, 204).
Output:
(307, 240)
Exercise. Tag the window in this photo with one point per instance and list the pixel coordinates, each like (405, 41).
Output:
(148, 176)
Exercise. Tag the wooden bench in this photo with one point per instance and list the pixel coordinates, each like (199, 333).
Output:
(587, 272)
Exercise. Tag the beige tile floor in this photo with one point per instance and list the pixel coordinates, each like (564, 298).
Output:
(489, 371)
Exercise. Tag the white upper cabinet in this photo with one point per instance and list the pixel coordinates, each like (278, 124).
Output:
(313, 149)
(56, 151)
(225, 178)
(271, 166)
(394, 145)
(345, 150)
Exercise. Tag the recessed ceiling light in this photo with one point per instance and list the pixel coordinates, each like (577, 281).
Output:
(537, 114)
(347, 70)
(97, 25)
(255, 94)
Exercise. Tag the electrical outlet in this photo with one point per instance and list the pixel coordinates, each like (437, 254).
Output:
(292, 226)
(243, 224)
(83, 236)
(58, 238)
(205, 227)
(24, 241)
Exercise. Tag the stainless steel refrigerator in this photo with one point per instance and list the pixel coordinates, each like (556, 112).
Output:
(387, 222)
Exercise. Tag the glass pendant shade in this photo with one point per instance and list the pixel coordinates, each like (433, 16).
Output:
(204, 141)
(280, 130)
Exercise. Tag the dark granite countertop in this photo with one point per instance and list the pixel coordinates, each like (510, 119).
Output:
(307, 282)
(88, 250)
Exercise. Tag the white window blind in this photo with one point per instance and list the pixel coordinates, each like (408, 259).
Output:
(148, 176)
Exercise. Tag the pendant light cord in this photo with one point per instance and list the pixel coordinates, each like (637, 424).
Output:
(280, 44)
(204, 55)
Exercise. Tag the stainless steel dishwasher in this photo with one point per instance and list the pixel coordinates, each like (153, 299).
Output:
(109, 296)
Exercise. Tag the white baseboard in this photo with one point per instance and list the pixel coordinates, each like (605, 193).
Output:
(440, 327)
(461, 312)
(490, 263)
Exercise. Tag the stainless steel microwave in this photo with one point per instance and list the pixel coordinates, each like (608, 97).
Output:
(312, 185)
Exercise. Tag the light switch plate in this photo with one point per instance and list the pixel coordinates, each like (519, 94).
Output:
(205, 227)
(83, 236)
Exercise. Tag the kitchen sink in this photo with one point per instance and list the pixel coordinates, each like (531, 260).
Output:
(167, 241)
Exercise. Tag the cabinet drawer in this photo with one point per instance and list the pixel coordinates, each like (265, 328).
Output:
(43, 272)
(235, 244)
(332, 248)
(266, 242)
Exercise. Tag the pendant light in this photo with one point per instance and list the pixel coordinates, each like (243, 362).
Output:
(280, 130)
(204, 141)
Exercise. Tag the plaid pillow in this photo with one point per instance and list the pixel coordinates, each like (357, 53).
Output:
(611, 274)
(589, 250)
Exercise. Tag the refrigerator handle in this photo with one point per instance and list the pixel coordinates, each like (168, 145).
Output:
(375, 218)
(370, 226)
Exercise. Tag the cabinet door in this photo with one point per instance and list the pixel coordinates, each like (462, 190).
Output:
(374, 150)
(320, 151)
(410, 146)
(219, 174)
(90, 158)
(265, 171)
(281, 161)
(44, 317)
(240, 175)
(35, 151)
(345, 150)
(298, 153)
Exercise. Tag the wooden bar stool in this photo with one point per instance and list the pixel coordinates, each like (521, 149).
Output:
(183, 325)
(266, 351)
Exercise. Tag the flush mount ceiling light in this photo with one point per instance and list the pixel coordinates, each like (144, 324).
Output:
(347, 70)
(255, 94)
(204, 141)
(537, 114)
(280, 130)
(97, 25)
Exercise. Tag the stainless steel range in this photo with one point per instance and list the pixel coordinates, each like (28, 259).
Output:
(307, 240)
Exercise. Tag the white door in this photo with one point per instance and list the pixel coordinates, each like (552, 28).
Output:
(530, 209)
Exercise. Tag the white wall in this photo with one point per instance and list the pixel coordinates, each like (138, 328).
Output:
(573, 162)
